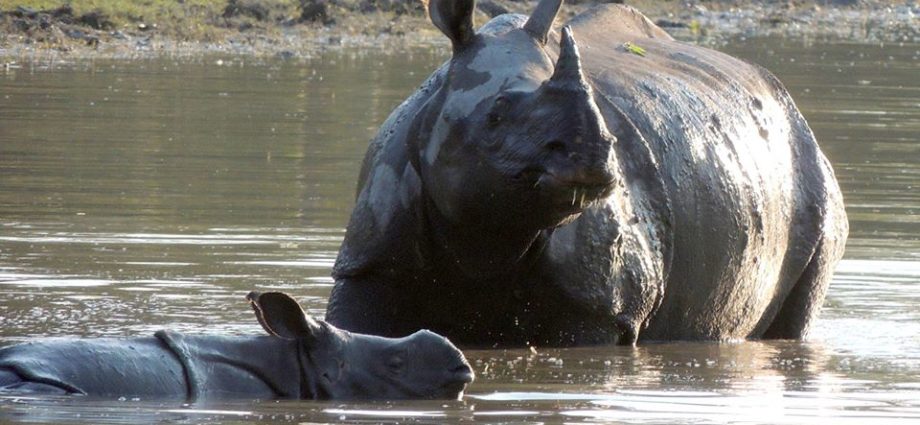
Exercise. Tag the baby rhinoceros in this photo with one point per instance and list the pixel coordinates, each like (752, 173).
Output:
(303, 358)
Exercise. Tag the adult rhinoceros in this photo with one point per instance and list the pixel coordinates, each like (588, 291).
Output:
(303, 359)
(529, 194)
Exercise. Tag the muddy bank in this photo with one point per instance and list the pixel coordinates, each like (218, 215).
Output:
(300, 28)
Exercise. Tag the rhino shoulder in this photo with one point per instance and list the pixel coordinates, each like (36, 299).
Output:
(255, 366)
(393, 133)
(386, 214)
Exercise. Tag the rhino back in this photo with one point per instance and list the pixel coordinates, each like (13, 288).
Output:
(741, 171)
(139, 367)
(167, 366)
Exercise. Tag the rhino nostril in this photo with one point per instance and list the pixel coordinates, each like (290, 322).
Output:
(555, 146)
(530, 173)
(606, 178)
(599, 175)
(463, 372)
(597, 183)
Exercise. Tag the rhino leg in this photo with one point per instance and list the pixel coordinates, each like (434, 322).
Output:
(804, 301)
(367, 307)
(10, 381)
(8, 377)
(628, 328)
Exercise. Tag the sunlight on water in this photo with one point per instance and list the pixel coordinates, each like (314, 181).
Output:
(59, 282)
(905, 271)
(346, 413)
(207, 412)
(325, 264)
(868, 313)
(825, 404)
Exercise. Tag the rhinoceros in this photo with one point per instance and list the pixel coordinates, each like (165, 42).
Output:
(302, 358)
(628, 187)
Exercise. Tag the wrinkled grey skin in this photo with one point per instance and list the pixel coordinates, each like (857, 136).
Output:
(303, 359)
(537, 192)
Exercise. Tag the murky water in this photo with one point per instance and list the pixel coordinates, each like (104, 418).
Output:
(156, 194)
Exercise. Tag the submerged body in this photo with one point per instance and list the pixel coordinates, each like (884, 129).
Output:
(302, 359)
(156, 367)
(525, 195)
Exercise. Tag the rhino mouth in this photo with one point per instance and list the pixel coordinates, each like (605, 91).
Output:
(572, 196)
(462, 373)
(460, 376)
(452, 390)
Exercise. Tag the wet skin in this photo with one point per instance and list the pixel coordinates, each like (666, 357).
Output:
(547, 188)
(301, 359)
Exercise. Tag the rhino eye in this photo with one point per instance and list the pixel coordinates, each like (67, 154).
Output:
(396, 363)
(493, 119)
(499, 109)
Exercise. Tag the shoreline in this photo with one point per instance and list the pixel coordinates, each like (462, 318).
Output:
(27, 35)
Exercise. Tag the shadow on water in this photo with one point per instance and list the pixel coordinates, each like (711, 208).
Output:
(156, 194)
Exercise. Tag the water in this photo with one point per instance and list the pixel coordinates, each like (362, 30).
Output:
(156, 194)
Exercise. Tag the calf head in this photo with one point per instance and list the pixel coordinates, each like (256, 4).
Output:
(342, 365)
(511, 139)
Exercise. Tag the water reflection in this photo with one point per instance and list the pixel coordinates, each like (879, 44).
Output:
(729, 367)
(150, 195)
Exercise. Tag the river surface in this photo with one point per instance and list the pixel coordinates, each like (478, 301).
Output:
(137, 196)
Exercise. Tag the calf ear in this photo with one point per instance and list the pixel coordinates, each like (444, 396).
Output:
(455, 19)
(281, 316)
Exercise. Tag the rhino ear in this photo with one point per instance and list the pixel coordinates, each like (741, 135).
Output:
(455, 19)
(541, 20)
(281, 316)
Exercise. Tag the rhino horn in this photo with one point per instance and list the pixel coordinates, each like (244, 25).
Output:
(541, 20)
(568, 66)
